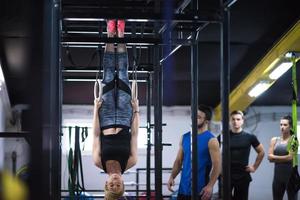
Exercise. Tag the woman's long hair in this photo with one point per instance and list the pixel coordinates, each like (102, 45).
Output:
(110, 195)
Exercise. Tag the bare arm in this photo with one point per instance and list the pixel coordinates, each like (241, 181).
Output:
(271, 149)
(134, 134)
(177, 163)
(260, 155)
(276, 158)
(176, 167)
(96, 135)
(215, 155)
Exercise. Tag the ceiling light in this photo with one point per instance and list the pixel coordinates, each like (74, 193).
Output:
(280, 70)
(288, 55)
(259, 88)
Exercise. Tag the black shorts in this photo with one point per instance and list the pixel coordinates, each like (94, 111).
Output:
(185, 197)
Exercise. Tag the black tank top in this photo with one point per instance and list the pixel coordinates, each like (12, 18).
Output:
(282, 170)
(116, 147)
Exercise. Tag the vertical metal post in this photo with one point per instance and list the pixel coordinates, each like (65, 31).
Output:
(225, 80)
(51, 97)
(157, 112)
(54, 86)
(137, 181)
(167, 47)
(220, 187)
(148, 161)
(45, 81)
(57, 115)
(194, 109)
(158, 124)
(36, 181)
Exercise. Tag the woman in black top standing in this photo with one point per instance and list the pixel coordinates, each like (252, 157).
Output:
(116, 116)
(283, 161)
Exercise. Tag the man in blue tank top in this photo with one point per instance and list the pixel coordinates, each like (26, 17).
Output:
(209, 165)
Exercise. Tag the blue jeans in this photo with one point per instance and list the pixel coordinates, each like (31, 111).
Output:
(116, 109)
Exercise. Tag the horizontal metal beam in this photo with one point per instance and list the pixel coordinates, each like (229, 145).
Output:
(105, 4)
(142, 68)
(87, 32)
(90, 75)
(80, 38)
(71, 39)
(96, 71)
(96, 46)
(98, 15)
(67, 79)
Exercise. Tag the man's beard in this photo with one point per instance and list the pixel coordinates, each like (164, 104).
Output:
(200, 125)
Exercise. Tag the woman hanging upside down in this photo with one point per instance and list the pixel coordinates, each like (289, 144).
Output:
(116, 116)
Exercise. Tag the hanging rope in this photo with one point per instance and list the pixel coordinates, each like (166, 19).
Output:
(71, 179)
(293, 142)
(76, 179)
(136, 62)
(97, 85)
(78, 162)
(294, 180)
(99, 49)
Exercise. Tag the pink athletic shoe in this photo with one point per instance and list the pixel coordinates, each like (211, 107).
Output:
(111, 26)
(121, 26)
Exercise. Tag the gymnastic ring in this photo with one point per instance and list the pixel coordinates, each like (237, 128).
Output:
(134, 88)
(97, 89)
